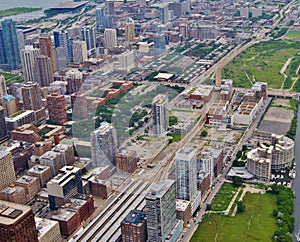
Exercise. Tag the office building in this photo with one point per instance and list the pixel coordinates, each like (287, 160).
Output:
(3, 91)
(160, 114)
(3, 130)
(32, 100)
(74, 79)
(2, 53)
(7, 170)
(110, 6)
(28, 57)
(104, 145)
(57, 108)
(129, 30)
(79, 51)
(67, 152)
(43, 71)
(64, 186)
(110, 38)
(79, 106)
(14, 194)
(159, 42)
(108, 21)
(100, 13)
(134, 227)
(126, 60)
(31, 184)
(46, 49)
(10, 45)
(42, 172)
(88, 34)
(10, 105)
(54, 160)
(61, 58)
(61, 39)
(161, 210)
(17, 223)
(163, 14)
(48, 230)
(127, 161)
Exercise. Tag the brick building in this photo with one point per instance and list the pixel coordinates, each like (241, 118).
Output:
(57, 108)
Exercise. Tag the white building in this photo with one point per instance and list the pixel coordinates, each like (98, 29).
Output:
(48, 230)
(28, 58)
(3, 91)
(126, 60)
(110, 38)
(79, 51)
(160, 114)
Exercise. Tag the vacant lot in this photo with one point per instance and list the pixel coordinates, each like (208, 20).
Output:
(255, 224)
(262, 62)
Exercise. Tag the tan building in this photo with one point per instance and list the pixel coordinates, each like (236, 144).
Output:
(259, 162)
(129, 30)
(14, 194)
(46, 49)
(67, 152)
(54, 160)
(42, 172)
(183, 211)
(7, 171)
(31, 184)
(17, 223)
(48, 230)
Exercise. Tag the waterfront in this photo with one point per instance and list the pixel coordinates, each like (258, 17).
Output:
(44, 4)
(296, 182)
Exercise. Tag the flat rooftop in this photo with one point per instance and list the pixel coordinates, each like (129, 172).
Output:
(11, 212)
(69, 5)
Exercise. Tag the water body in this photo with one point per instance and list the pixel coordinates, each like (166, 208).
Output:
(44, 4)
(296, 182)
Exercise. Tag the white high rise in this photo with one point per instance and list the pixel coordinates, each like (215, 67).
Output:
(88, 34)
(160, 114)
(110, 38)
(126, 60)
(3, 91)
(28, 58)
(79, 51)
(104, 145)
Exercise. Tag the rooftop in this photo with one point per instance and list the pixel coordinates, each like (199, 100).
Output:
(11, 212)
(135, 217)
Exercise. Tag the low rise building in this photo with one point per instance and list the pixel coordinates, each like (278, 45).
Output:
(217, 113)
(42, 172)
(183, 211)
(54, 160)
(19, 118)
(127, 161)
(31, 185)
(202, 92)
(48, 230)
(67, 152)
(14, 194)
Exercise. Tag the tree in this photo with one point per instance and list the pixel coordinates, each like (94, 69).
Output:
(240, 207)
(237, 181)
(173, 120)
(204, 133)
(208, 206)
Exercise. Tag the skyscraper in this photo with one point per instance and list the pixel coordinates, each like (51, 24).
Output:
(100, 13)
(10, 45)
(74, 79)
(186, 174)
(129, 30)
(46, 49)
(2, 53)
(110, 38)
(3, 91)
(88, 34)
(160, 114)
(104, 145)
(7, 170)
(61, 39)
(159, 43)
(164, 14)
(108, 21)
(126, 60)
(28, 56)
(32, 100)
(161, 210)
(110, 5)
(43, 71)
(79, 51)
(57, 108)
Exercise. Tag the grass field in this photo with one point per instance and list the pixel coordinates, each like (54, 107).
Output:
(223, 197)
(14, 11)
(255, 224)
(293, 35)
(261, 62)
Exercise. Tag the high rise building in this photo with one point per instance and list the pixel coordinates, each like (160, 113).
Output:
(159, 43)
(110, 6)
(126, 60)
(3, 130)
(28, 57)
(129, 30)
(2, 53)
(10, 45)
(79, 51)
(21, 39)
(7, 170)
(88, 34)
(100, 13)
(161, 210)
(134, 227)
(110, 38)
(64, 186)
(43, 71)
(104, 145)
(46, 49)
(17, 223)
(79, 106)
(32, 100)
(3, 91)
(74, 79)
(57, 108)
(160, 114)
(127, 161)
(108, 21)
(61, 38)
(61, 58)
(164, 14)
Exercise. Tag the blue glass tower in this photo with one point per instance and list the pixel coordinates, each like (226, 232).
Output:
(10, 45)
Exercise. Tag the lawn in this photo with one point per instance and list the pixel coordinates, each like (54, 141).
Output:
(224, 197)
(261, 62)
(14, 11)
(293, 35)
(257, 223)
